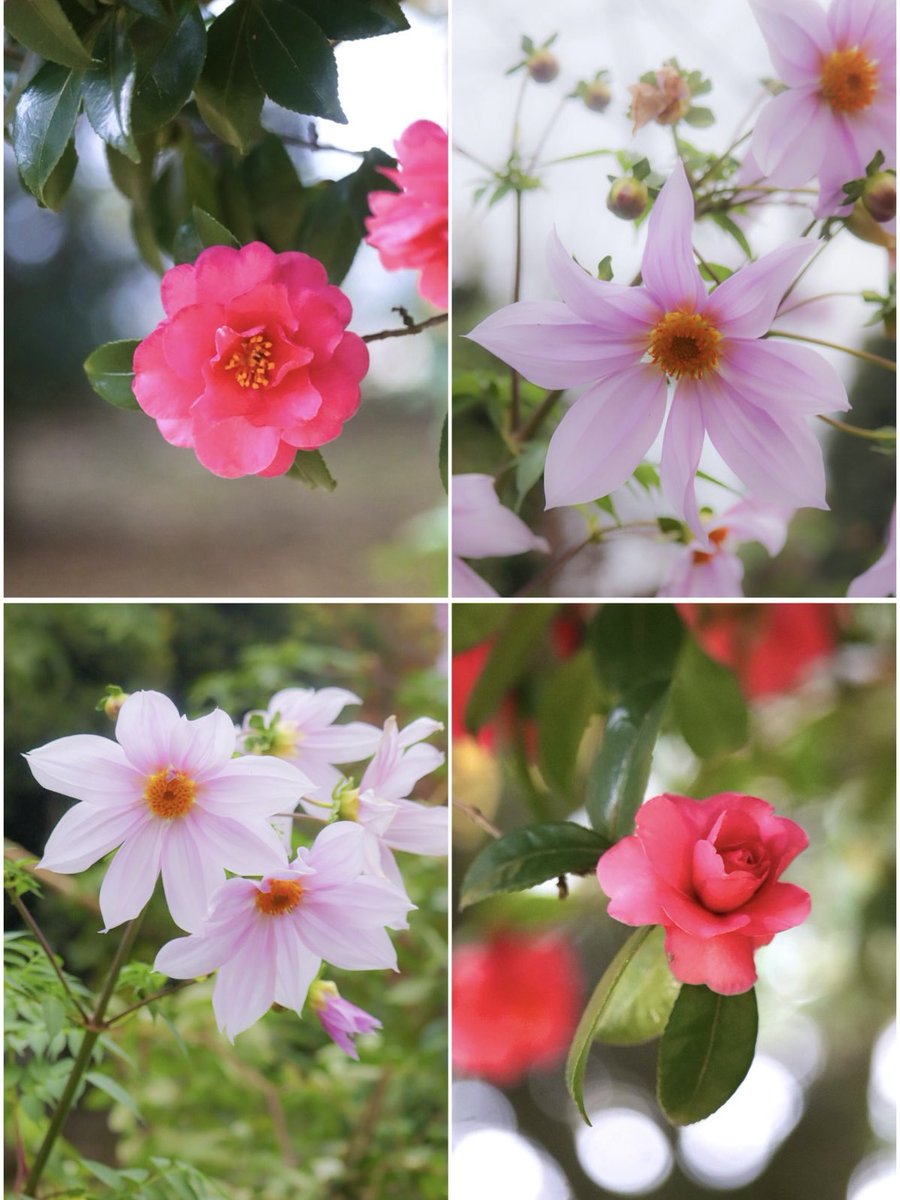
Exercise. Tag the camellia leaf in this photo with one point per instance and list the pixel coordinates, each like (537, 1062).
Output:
(264, 198)
(517, 642)
(228, 93)
(530, 856)
(635, 643)
(44, 123)
(567, 702)
(110, 370)
(293, 60)
(309, 467)
(475, 623)
(708, 705)
(705, 1052)
(199, 231)
(351, 19)
(42, 26)
(57, 186)
(109, 89)
(169, 61)
(637, 1008)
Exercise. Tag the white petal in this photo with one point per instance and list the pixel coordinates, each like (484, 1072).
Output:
(145, 728)
(85, 833)
(132, 875)
(87, 767)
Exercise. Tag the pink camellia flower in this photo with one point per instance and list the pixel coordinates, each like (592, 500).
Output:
(341, 1020)
(482, 528)
(881, 577)
(268, 938)
(712, 567)
(709, 872)
(839, 106)
(666, 102)
(409, 228)
(750, 395)
(169, 794)
(253, 361)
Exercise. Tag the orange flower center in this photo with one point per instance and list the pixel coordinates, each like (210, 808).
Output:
(252, 362)
(717, 537)
(684, 343)
(282, 897)
(170, 793)
(849, 80)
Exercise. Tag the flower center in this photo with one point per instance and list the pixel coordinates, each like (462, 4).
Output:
(684, 343)
(849, 80)
(717, 537)
(170, 793)
(282, 897)
(252, 362)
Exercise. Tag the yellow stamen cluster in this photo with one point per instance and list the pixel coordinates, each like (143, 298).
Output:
(685, 343)
(282, 897)
(170, 794)
(849, 80)
(252, 362)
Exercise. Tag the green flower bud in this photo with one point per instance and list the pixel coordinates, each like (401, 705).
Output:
(627, 198)
(880, 196)
(543, 67)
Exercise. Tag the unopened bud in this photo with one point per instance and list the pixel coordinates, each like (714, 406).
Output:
(880, 196)
(627, 198)
(112, 701)
(862, 225)
(596, 96)
(543, 67)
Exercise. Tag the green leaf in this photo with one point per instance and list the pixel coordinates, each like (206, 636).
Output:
(44, 123)
(619, 773)
(530, 856)
(705, 1052)
(105, 1174)
(57, 186)
(605, 268)
(708, 705)
(634, 643)
(199, 231)
(344, 20)
(529, 469)
(228, 93)
(638, 1006)
(109, 89)
(110, 371)
(169, 60)
(566, 703)
(443, 454)
(42, 26)
(293, 60)
(309, 467)
(114, 1090)
(475, 623)
(268, 195)
(700, 118)
(725, 222)
(715, 272)
(517, 642)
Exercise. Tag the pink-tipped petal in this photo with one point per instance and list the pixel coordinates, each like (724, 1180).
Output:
(668, 267)
(724, 964)
(203, 746)
(132, 874)
(245, 847)
(419, 829)
(295, 967)
(190, 957)
(881, 577)
(245, 987)
(793, 380)
(145, 728)
(626, 311)
(190, 878)
(482, 527)
(796, 35)
(791, 137)
(752, 521)
(255, 784)
(87, 767)
(870, 24)
(744, 306)
(720, 576)
(467, 582)
(311, 708)
(682, 446)
(85, 833)
(337, 854)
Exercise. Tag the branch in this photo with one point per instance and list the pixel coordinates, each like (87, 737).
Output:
(477, 817)
(863, 354)
(48, 950)
(406, 330)
(166, 991)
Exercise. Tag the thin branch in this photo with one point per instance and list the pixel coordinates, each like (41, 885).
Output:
(48, 950)
(540, 414)
(477, 817)
(479, 162)
(814, 341)
(552, 568)
(166, 991)
(406, 330)
(871, 435)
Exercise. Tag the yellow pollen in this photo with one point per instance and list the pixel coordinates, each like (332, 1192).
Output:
(282, 897)
(252, 362)
(684, 343)
(849, 80)
(170, 793)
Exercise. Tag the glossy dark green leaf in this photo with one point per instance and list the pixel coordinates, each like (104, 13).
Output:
(566, 703)
(265, 199)
(619, 774)
(530, 856)
(516, 644)
(309, 467)
(708, 705)
(634, 643)
(110, 371)
(187, 180)
(133, 178)
(637, 1009)
(57, 186)
(169, 60)
(293, 60)
(44, 123)
(199, 231)
(109, 89)
(156, 9)
(228, 93)
(43, 27)
(705, 1052)
(475, 623)
(344, 20)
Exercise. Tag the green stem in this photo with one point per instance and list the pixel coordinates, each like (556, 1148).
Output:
(166, 991)
(814, 341)
(871, 435)
(92, 1032)
(48, 950)
(540, 414)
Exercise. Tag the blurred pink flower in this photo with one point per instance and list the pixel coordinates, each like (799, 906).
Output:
(666, 102)
(839, 107)
(711, 567)
(750, 395)
(709, 872)
(409, 228)
(341, 1020)
(881, 577)
(253, 360)
(483, 528)
(169, 794)
(268, 939)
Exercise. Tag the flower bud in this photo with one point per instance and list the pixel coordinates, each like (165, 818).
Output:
(627, 198)
(543, 67)
(111, 701)
(862, 225)
(345, 801)
(880, 196)
(596, 95)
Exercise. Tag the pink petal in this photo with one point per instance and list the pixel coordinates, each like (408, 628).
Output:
(668, 268)
(744, 306)
(201, 954)
(177, 433)
(257, 785)
(626, 311)
(722, 576)
(223, 272)
(415, 763)
(351, 742)
(881, 577)
(311, 708)
(751, 521)
(724, 964)
(190, 875)
(132, 874)
(791, 137)
(797, 37)
(549, 345)
(336, 856)
(482, 527)
(202, 747)
(235, 447)
(604, 435)
(178, 288)
(776, 908)
(627, 878)
(84, 834)
(866, 23)
(793, 380)
(667, 827)
(89, 768)
(682, 446)
(719, 890)
(146, 726)
(466, 582)
(281, 463)
(159, 391)
(433, 282)
(419, 828)
(245, 987)
(189, 342)
(295, 966)
(242, 846)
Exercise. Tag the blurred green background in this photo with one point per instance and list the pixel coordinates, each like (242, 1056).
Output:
(283, 1112)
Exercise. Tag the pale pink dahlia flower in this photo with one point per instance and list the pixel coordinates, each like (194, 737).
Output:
(483, 528)
(711, 567)
(750, 395)
(409, 228)
(268, 939)
(881, 577)
(341, 1020)
(253, 361)
(169, 794)
(839, 107)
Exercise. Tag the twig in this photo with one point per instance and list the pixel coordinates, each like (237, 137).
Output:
(870, 434)
(537, 418)
(166, 991)
(551, 569)
(407, 329)
(863, 354)
(48, 950)
(477, 817)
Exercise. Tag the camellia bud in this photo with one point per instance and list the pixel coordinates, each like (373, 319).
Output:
(543, 67)
(627, 198)
(880, 196)
(596, 95)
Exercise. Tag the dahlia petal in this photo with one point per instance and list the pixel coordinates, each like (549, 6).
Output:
(161, 393)
(341, 928)
(203, 746)
(791, 137)
(84, 834)
(132, 874)
(201, 954)
(417, 731)
(604, 435)
(235, 447)
(348, 743)
(190, 876)
(794, 380)
(668, 268)
(724, 964)
(295, 967)
(751, 521)
(87, 767)
(626, 876)
(482, 526)
(241, 846)
(336, 856)
(881, 578)
(419, 828)
(626, 311)
(245, 986)
(259, 784)
(544, 341)
(866, 23)
(312, 708)
(414, 764)
(797, 36)
(745, 305)
(681, 450)
(467, 582)
(721, 576)
(145, 728)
